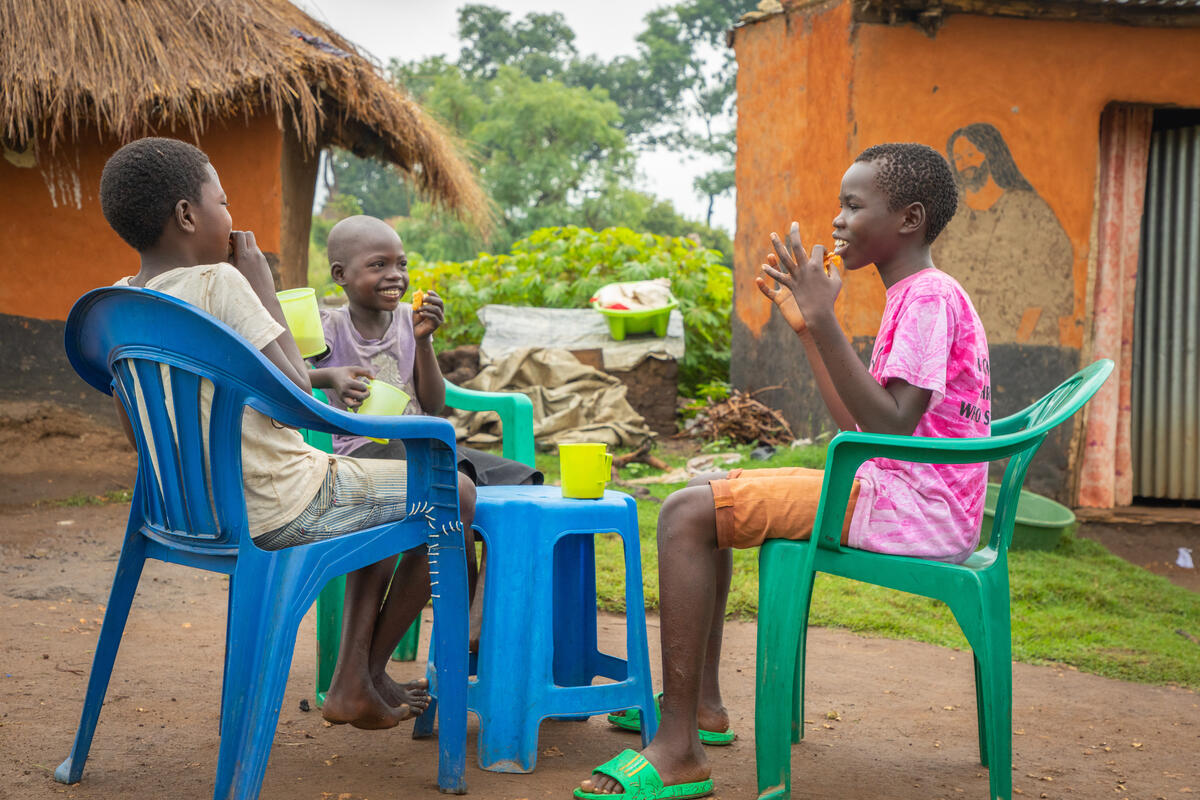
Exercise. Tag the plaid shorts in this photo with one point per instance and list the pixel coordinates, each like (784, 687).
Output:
(356, 494)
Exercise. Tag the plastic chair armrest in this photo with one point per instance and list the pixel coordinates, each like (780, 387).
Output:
(1010, 424)
(516, 417)
(850, 449)
(309, 412)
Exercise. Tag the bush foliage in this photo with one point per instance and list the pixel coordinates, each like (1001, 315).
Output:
(563, 267)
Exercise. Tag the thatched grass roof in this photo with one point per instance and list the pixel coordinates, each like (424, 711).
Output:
(128, 68)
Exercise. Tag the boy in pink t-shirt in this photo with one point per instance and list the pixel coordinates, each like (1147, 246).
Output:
(930, 338)
(928, 376)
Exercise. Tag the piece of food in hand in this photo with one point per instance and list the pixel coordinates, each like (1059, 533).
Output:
(418, 299)
(229, 255)
(832, 259)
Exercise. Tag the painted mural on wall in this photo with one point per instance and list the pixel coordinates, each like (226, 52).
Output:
(1005, 244)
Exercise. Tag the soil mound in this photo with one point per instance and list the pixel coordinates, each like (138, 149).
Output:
(50, 452)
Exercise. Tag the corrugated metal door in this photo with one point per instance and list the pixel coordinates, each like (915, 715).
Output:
(1166, 352)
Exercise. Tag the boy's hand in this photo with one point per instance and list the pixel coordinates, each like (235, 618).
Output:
(350, 383)
(803, 275)
(248, 259)
(429, 317)
(782, 297)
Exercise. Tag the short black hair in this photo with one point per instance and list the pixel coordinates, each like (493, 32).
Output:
(915, 173)
(143, 181)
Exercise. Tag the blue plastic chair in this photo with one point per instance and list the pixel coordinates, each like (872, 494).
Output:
(538, 654)
(976, 591)
(185, 513)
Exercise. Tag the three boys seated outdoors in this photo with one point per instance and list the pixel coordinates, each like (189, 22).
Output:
(164, 198)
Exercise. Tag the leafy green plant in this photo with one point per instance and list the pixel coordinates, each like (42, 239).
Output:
(563, 267)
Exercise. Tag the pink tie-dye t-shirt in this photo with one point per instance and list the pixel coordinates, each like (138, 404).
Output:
(932, 338)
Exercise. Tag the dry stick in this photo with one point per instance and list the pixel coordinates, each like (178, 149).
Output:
(742, 418)
(641, 454)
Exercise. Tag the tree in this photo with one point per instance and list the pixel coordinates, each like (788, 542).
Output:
(553, 134)
(684, 48)
(378, 188)
(543, 150)
(540, 45)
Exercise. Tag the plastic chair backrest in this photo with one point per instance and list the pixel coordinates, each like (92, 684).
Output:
(1034, 423)
(115, 340)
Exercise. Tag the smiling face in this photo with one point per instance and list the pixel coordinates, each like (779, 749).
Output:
(213, 224)
(865, 231)
(373, 269)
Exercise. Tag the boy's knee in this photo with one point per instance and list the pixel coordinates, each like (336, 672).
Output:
(466, 494)
(703, 478)
(688, 512)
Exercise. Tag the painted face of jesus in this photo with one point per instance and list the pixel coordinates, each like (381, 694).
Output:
(970, 163)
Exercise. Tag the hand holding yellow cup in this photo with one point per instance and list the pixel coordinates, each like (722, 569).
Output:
(586, 468)
(384, 399)
(303, 319)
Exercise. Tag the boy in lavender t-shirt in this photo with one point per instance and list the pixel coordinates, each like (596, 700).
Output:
(375, 335)
(928, 377)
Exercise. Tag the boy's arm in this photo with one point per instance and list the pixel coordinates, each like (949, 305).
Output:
(282, 352)
(349, 383)
(896, 408)
(427, 375)
(125, 426)
(829, 393)
(782, 297)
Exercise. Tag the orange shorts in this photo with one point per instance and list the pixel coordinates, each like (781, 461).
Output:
(753, 505)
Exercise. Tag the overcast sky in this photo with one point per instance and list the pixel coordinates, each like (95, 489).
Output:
(411, 29)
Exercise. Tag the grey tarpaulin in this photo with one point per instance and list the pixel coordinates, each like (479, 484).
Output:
(571, 402)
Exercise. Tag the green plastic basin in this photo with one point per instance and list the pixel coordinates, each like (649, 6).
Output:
(622, 322)
(1039, 524)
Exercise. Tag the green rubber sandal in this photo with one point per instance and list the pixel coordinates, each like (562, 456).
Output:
(641, 781)
(631, 720)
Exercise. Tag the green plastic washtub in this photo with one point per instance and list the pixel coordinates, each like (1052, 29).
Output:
(622, 322)
(1039, 521)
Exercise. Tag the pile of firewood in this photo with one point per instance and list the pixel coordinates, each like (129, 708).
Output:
(741, 419)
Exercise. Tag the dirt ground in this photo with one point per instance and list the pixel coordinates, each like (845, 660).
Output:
(885, 719)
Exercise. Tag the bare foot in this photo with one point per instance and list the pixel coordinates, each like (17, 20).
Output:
(363, 708)
(713, 718)
(688, 769)
(414, 694)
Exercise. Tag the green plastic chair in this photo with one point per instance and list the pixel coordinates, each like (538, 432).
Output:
(516, 420)
(976, 591)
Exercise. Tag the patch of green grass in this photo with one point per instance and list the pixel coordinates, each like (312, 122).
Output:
(1078, 605)
(77, 500)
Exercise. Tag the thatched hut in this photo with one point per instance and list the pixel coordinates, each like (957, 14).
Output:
(257, 84)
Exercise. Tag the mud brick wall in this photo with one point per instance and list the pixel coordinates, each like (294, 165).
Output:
(653, 389)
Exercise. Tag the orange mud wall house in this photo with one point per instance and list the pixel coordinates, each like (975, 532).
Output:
(58, 245)
(259, 86)
(1074, 132)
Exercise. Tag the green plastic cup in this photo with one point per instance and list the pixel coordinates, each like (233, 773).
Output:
(303, 319)
(586, 468)
(384, 400)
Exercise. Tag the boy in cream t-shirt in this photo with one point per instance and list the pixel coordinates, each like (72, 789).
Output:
(164, 198)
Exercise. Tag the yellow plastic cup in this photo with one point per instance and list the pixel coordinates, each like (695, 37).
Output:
(303, 319)
(384, 399)
(586, 468)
